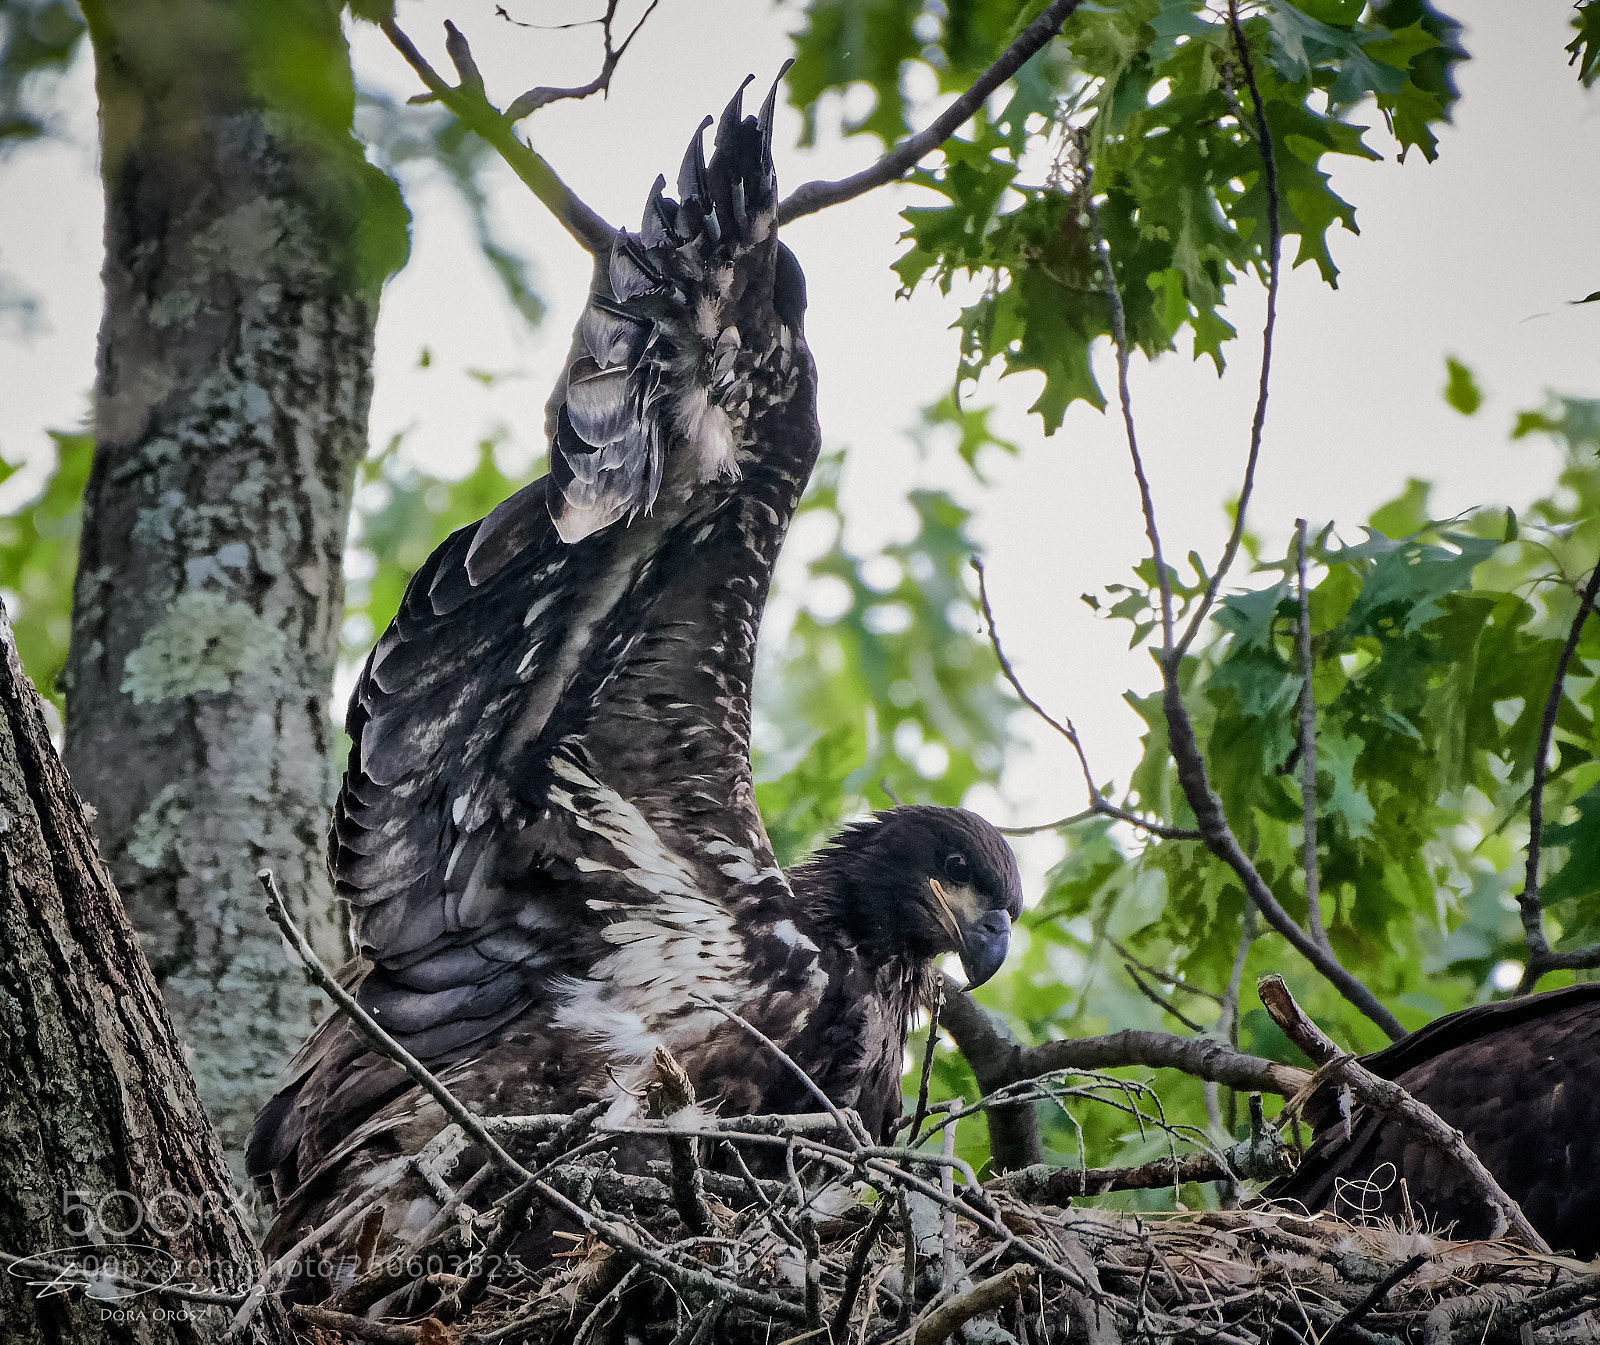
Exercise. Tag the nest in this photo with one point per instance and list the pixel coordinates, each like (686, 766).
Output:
(856, 1242)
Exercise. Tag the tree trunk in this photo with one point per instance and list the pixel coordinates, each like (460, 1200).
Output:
(102, 1136)
(246, 242)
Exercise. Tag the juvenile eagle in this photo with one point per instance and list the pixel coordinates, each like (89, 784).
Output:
(1506, 1076)
(547, 831)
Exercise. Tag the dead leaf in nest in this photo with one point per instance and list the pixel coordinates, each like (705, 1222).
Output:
(367, 1240)
(1019, 1223)
(669, 1089)
(431, 1331)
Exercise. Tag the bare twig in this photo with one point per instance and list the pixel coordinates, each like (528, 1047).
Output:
(992, 1293)
(850, 1124)
(1308, 745)
(1378, 1293)
(921, 1111)
(1388, 1097)
(1226, 1028)
(813, 1253)
(1165, 977)
(856, 1272)
(1097, 804)
(592, 1323)
(671, 1092)
(814, 196)
(377, 1038)
(470, 104)
(1269, 173)
(1049, 1185)
(1160, 1000)
(947, 1184)
(1039, 827)
(325, 1319)
(446, 1145)
(534, 99)
(1540, 958)
(1147, 504)
(623, 1239)
(908, 1265)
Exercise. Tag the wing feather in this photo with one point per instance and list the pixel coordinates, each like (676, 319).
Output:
(548, 823)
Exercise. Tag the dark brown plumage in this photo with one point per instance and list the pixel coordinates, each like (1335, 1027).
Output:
(547, 831)
(1515, 1078)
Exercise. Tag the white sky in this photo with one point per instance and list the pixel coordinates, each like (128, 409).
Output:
(1475, 255)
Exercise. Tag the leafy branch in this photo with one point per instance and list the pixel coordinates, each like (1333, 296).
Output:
(469, 101)
(814, 196)
(1269, 173)
(1214, 828)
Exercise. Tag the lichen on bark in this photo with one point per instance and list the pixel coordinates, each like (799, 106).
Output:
(246, 243)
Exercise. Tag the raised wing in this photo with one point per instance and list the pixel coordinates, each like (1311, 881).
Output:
(548, 814)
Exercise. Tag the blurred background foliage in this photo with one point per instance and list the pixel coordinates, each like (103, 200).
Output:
(1433, 640)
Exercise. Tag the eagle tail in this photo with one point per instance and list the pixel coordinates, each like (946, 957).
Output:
(655, 358)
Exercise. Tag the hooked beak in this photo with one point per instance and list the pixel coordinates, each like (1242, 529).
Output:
(981, 939)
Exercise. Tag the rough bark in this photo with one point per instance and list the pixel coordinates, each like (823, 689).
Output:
(246, 241)
(994, 1055)
(99, 1109)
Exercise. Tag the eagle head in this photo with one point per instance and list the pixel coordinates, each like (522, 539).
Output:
(916, 882)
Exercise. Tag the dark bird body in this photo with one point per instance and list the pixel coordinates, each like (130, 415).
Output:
(1516, 1079)
(547, 831)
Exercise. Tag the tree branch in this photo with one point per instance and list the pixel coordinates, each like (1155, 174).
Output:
(998, 1061)
(469, 102)
(1220, 840)
(1186, 756)
(534, 99)
(850, 1125)
(1269, 171)
(1375, 1296)
(1540, 957)
(1098, 805)
(1203, 1057)
(814, 196)
(1119, 343)
(995, 1058)
(1308, 746)
(1298, 1028)
(1045, 1184)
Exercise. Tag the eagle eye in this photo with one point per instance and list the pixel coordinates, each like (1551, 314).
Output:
(955, 868)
